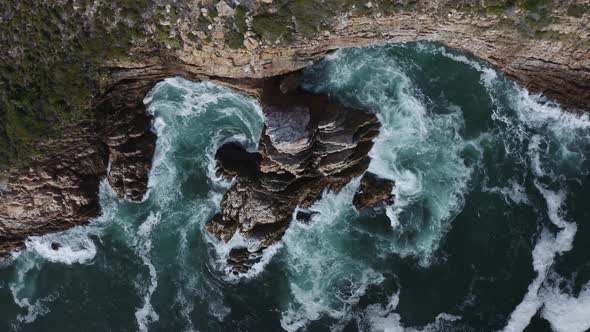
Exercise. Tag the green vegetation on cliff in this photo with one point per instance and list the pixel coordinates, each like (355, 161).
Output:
(52, 50)
(48, 65)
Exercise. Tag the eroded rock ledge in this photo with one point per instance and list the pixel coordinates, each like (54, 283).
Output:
(309, 144)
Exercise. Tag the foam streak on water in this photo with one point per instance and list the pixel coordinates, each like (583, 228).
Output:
(146, 314)
(542, 123)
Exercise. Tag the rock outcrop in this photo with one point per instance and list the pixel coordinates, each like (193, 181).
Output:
(60, 189)
(309, 144)
(57, 192)
(373, 192)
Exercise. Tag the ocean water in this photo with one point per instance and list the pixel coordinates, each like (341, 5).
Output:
(490, 230)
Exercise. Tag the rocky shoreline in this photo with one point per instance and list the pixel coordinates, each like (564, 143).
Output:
(60, 188)
(309, 144)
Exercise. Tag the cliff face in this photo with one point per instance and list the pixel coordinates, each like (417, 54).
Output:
(60, 188)
(57, 192)
(558, 68)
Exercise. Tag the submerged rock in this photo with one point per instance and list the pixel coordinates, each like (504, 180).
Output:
(373, 192)
(308, 144)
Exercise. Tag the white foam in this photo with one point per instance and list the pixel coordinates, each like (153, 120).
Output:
(565, 312)
(202, 116)
(536, 111)
(179, 104)
(568, 130)
(544, 253)
(407, 146)
(410, 129)
(488, 74)
(223, 249)
(23, 291)
(515, 192)
(379, 318)
(220, 139)
(405, 151)
(146, 314)
(73, 248)
(324, 279)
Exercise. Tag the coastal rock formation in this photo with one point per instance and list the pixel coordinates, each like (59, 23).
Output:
(555, 60)
(309, 144)
(60, 189)
(373, 192)
(58, 192)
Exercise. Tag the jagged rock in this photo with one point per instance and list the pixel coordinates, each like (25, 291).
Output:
(241, 259)
(309, 144)
(221, 229)
(373, 192)
(126, 132)
(305, 216)
(56, 193)
(288, 127)
(55, 246)
(60, 188)
(223, 9)
(49, 197)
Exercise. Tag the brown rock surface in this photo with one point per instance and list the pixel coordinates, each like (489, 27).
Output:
(57, 192)
(373, 192)
(309, 144)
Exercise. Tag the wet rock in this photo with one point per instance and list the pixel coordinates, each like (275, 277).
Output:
(56, 192)
(55, 246)
(59, 190)
(309, 144)
(373, 192)
(127, 134)
(305, 216)
(288, 127)
(242, 260)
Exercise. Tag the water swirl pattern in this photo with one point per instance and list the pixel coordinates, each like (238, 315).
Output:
(490, 230)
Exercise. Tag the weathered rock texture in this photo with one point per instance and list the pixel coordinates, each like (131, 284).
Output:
(60, 188)
(560, 68)
(57, 192)
(309, 144)
(373, 192)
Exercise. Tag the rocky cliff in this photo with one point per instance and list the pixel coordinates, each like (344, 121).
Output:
(59, 188)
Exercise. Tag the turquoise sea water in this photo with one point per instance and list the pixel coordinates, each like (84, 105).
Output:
(490, 229)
